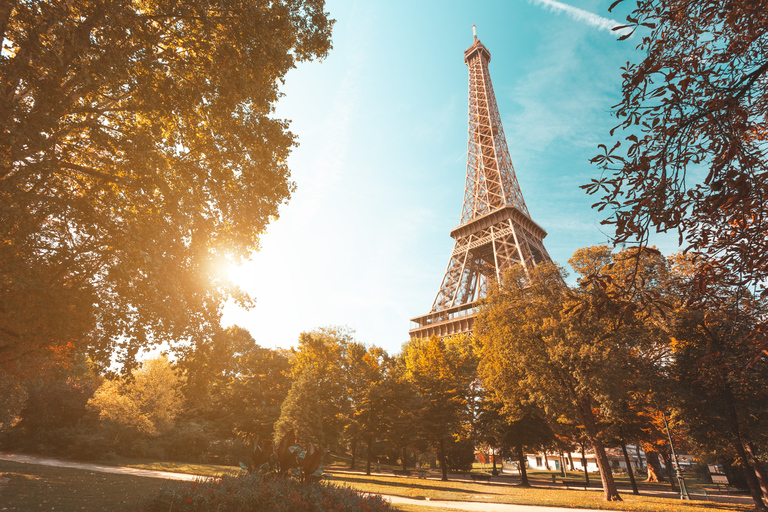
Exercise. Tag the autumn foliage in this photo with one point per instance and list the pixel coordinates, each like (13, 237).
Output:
(689, 154)
(138, 151)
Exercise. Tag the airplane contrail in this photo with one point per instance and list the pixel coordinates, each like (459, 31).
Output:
(581, 15)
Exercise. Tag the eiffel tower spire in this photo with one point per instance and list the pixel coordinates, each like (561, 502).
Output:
(496, 230)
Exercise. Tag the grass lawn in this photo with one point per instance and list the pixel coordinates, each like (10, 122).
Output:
(211, 470)
(492, 493)
(577, 477)
(36, 487)
(26, 487)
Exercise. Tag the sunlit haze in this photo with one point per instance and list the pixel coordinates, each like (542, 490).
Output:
(382, 127)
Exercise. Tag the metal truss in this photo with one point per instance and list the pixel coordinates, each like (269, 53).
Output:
(496, 229)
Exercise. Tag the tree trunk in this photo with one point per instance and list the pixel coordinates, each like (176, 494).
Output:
(354, 452)
(611, 493)
(654, 468)
(495, 471)
(443, 464)
(670, 469)
(562, 464)
(630, 471)
(570, 460)
(584, 463)
(639, 459)
(759, 468)
(521, 464)
(749, 473)
(405, 454)
(546, 460)
(370, 455)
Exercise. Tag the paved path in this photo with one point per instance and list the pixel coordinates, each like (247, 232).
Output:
(103, 468)
(395, 500)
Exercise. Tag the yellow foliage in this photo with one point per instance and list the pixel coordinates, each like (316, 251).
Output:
(148, 403)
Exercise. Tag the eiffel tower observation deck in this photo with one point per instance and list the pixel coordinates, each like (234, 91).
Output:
(496, 229)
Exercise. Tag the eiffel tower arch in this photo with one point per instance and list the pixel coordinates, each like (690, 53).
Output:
(496, 231)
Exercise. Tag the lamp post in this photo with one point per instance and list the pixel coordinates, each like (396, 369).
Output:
(678, 474)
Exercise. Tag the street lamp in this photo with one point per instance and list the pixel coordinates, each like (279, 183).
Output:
(678, 474)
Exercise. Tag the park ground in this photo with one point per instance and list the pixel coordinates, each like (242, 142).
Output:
(35, 483)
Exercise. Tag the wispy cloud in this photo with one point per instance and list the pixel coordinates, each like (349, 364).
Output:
(581, 15)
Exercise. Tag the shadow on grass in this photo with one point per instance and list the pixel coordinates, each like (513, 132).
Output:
(407, 485)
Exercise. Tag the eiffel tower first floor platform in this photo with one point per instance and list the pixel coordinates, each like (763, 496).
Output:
(447, 322)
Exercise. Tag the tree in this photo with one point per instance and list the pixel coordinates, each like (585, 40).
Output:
(403, 406)
(513, 427)
(442, 371)
(56, 404)
(368, 392)
(722, 399)
(301, 412)
(147, 403)
(570, 351)
(691, 154)
(139, 153)
(233, 384)
(14, 398)
(324, 352)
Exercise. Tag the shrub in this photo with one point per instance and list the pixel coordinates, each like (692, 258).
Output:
(227, 451)
(187, 442)
(79, 443)
(255, 492)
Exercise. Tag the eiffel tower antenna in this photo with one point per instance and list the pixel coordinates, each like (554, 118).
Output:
(496, 231)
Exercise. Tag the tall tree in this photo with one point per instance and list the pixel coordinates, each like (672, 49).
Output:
(139, 152)
(403, 405)
(443, 372)
(301, 411)
(324, 352)
(572, 351)
(233, 384)
(368, 391)
(722, 398)
(691, 152)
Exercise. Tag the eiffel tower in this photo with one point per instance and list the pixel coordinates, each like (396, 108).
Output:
(496, 230)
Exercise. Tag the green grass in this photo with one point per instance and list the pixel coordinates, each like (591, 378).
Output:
(25, 487)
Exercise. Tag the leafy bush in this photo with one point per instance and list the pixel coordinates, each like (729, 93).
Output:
(255, 492)
(56, 404)
(286, 459)
(227, 451)
(187, 442)
(72, 442)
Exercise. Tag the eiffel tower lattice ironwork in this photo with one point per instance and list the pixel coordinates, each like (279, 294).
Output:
(496, 230)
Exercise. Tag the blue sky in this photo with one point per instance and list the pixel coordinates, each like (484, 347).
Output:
(382, 127)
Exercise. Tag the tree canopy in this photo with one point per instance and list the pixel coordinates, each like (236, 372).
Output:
(578, 353)
(138, 151)
(443, 372)
(690, 155)
(148, 403)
